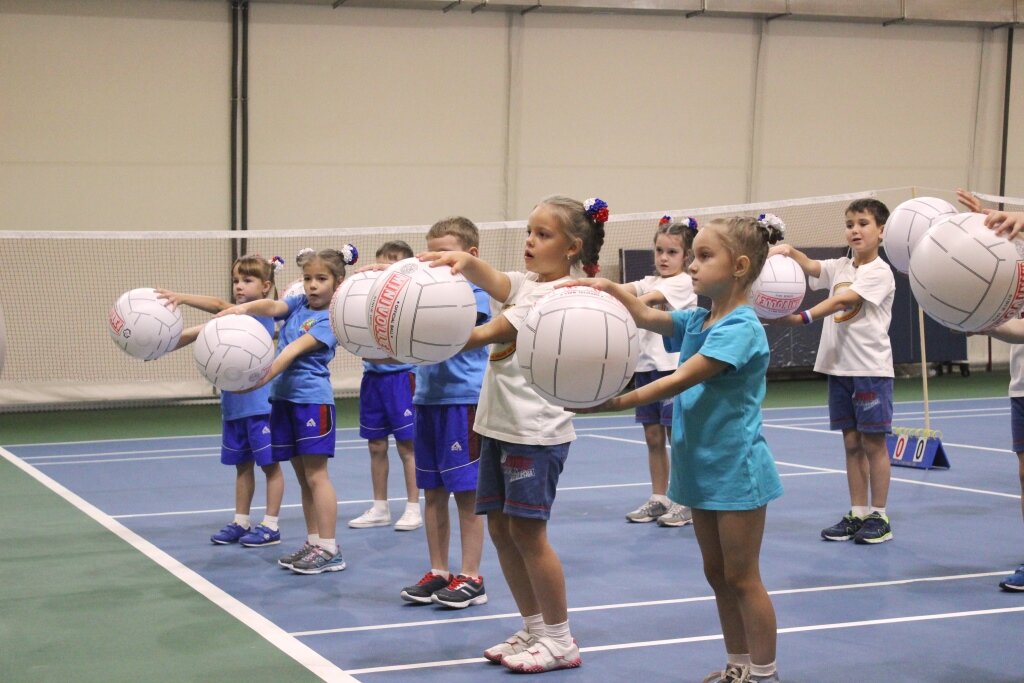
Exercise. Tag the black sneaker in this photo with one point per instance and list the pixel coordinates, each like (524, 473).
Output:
(461, 592)
(844, 530)
(425, 589)
(875, 529)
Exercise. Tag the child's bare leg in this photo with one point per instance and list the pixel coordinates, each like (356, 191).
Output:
(856, 468)
(437, 526)
(308, 511)
(325, 500)
(657, 458)
(379, 467)
(275, 488)
(512, 565)
(740, 533)
(245, 487)
(405, 452)
(542, 566)
(471, 532)
(705, 527)
(879, 467)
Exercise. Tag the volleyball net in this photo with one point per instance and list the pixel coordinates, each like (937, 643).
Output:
(56, 289)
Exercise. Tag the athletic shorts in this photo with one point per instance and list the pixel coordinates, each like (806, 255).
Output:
(659, 412)
(518, 479)
(447, 450)
(385, 405)
(1017, 423)
(861, 403)
(246, 439)
(301, 429)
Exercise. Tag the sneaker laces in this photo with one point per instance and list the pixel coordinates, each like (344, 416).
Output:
(456, 582)
(427, 578)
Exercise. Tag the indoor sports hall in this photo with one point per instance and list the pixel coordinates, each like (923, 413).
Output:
(151, 143)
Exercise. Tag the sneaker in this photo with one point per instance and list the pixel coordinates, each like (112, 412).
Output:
(229, 534)
(422, 591)
(1015, 581)
(540, 657)
(259, 536)
(677, 515)
(875, 529)
(371, 518)
(731, 674)
(771, 678)
(318, 561)
(648, 512)
(410, 519)
(287, 561)
(844, 529)
(461, 592)
(519, 642)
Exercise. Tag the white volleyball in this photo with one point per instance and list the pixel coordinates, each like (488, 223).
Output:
(965, 276)
(348, 315)
(234, 352)
(144, 326)
(908, 223)
(578, 347)
(779, 289)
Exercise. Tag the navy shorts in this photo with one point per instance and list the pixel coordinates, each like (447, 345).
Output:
(860, 403)
(385, 405)
(518, 479)
(301, 429)
(246, 439)
(447, 450)
(659, 412)
(1017, 423)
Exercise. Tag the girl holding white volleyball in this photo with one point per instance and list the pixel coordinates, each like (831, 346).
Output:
(670, 289)
(721, 466)
(524, 438)
(302, 401)
(245, 426)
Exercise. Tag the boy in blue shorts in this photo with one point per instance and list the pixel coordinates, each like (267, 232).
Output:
(385, 408)
(447, 449)
(855, 353)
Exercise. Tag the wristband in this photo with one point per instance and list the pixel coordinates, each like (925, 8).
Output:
(806, 317)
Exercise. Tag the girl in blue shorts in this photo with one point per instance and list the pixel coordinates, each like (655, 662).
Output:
(721, 466)
(302, 401)
(245, 416)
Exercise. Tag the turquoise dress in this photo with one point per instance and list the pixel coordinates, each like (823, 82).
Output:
(720, 460)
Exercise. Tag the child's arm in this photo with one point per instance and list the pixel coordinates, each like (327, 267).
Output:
(479, 272)
(807, 264)
(210, 304)
(1009, 224)
(304, 344)
(188, 336)
(269, 307)
(1011, 331)
(697, 368)
(496, 331)
(845, 299)
(646, 317)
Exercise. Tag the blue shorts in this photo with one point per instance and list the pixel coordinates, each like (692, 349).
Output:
(518, 479)
(246, 439)
(1017, 423)
(447, 450)
(301, 429)
(385, 405)
(860, 403)
(659, 412)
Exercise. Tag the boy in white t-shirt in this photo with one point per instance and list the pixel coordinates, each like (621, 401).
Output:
(671, 289)
(855, 353)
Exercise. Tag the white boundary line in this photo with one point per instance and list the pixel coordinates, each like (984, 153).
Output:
(271, 632)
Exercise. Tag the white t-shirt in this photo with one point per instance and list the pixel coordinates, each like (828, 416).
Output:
(1016, 370)
(509, 409)
(678, 291)
(855, 342)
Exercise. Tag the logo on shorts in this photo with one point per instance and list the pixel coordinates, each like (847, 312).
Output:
(407, 413)
(266, 430)
(456, 447)
(517, 467)
(866, 399)
(311, 423)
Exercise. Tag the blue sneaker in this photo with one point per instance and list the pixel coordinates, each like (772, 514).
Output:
(1015, 581)
(229, 534)
(875, 529)
(317, 561)
(260, 535)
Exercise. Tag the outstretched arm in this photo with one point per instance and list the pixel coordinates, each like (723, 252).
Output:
(696, 369)
(210, 304)
(807, 264)
(303, 344)
(188, 336)
(646, 317)
(1008, 224)
(270, 307)
(479, 272)
(1011, 331)
(847, 298)
(497, 331)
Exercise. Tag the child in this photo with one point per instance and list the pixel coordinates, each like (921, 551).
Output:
(385, 407)
(245, 425)
(302, 401)
(447, 450)
(855, 353)
(524, 440)
(721, 465)
(670, 289)
(1009, 225)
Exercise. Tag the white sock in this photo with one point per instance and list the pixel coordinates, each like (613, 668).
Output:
(761, 670)
(880, 511)
(313, 539)
(270, 522)
(859, 511)
(534, 624)
(412, 505)
(559, 633)
(441, 572)
(661, 498)
(242, 521)
(381, 506)
(330, 545)
(737, 660)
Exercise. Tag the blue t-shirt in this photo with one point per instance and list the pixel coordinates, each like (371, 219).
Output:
(457, 380)
(381, 368)
(236, 406)
(720, 460)
(307, 379)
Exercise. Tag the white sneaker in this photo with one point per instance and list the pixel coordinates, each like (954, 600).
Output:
(410, 519)
(371, 518)
(543, 655)
(677, 515)
(518, 642)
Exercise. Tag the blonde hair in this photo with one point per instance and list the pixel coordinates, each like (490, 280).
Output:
(577, 224)
(750, 237)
